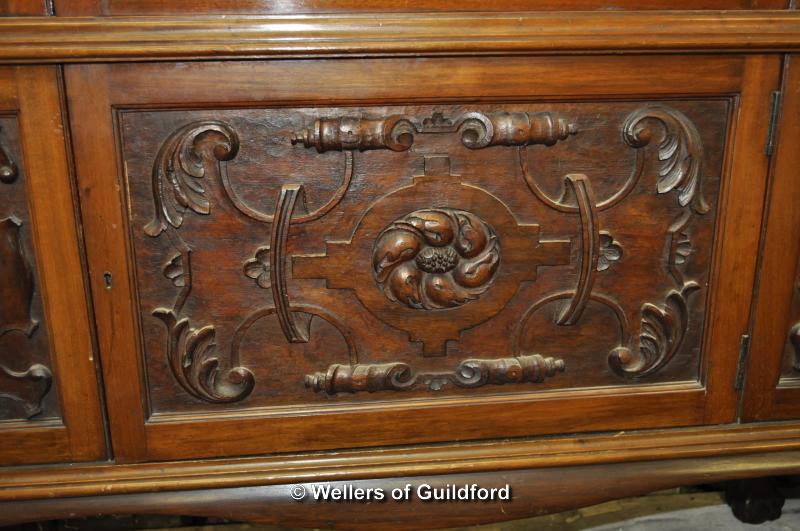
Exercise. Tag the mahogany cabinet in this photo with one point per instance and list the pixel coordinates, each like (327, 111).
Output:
(290, 248)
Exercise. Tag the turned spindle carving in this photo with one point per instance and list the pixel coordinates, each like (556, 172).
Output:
(471, 373)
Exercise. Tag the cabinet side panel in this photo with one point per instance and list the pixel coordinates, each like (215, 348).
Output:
(26, 375)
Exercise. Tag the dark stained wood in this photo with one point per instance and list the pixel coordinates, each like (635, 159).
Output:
(200, 189)
(52, 339)
(85, 39)
(179, 7)
(353, 240)
(533, 492)
(26, 377)
(772, 390)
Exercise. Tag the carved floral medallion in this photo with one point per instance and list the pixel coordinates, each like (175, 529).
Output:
(436, 258)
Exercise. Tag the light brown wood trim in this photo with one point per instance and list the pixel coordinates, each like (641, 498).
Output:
(781, 246)
(61, 271)
(86, 39)
(533, 493)
(738, 230)
(650, 445)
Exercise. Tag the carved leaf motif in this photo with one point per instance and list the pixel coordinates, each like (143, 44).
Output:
(192, 359)
(36, 373)
(16, 282)
(680, 151)
(610, 251)
(660, 338)
(174, 271)
(258, 268)
(180, 167)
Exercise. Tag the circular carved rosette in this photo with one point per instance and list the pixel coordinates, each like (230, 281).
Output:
(436, 258)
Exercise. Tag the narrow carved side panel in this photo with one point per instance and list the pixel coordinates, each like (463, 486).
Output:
(349, 255)
(25, 376)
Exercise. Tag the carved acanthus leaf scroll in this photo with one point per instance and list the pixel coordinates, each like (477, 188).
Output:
(180, 167)
(191, 352)
(36, 373)
(399, 376)
(192, 358)
(660, 338)
(680, 151)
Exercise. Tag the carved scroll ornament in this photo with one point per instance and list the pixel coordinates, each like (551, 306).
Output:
(179, 170)
(680, 151)
(470, 373)
(191, 352)
(38, 380)
(438, 257)
(662, 331)
(397, 132)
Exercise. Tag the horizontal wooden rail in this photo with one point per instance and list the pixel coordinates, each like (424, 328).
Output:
(80, 39)
(455, 458)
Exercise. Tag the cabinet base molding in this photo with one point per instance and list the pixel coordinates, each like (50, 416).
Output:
(657, 458)
(532, 494)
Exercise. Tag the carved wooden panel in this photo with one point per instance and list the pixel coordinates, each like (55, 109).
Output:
(339, 255)
(25, 374)
(790, 373)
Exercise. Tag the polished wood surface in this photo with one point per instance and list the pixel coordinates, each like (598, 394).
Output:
(343, 240)
(255, 7)
(196, 376)
(533, 492)
(60, 324)
(773, 377)
(63, 39)
(348, 465)
(25, 8)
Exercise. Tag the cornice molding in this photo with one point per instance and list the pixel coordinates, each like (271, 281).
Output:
(87, 39)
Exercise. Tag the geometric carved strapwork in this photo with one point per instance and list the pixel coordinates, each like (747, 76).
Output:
(431, 249)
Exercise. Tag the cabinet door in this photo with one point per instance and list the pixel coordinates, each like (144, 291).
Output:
(773, 370)
(49, 402)
(338, 253)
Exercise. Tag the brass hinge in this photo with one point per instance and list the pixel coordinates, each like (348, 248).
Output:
(775, 106)
(744, 352)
